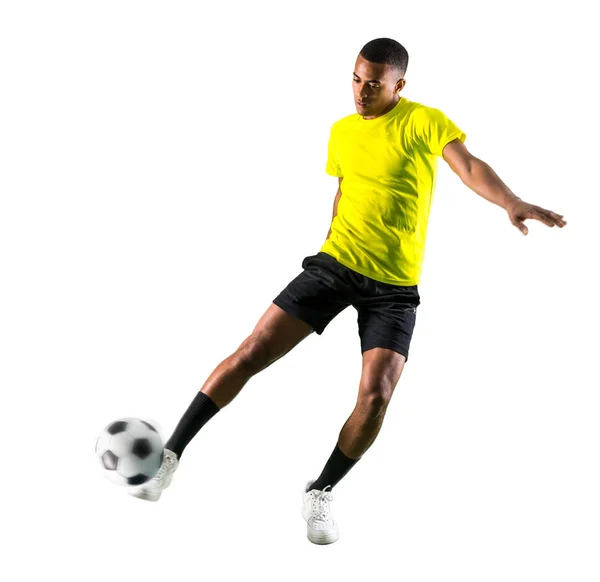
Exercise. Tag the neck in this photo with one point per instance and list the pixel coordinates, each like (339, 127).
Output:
(387, 109)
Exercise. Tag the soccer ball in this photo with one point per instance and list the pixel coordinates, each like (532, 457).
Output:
(130, 450)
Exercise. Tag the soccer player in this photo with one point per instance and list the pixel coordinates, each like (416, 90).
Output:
(385, 158)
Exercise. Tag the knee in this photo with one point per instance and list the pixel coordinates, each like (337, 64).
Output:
(253, 354)
(374, 397)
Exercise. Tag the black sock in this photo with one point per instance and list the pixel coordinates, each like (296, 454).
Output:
(336, 467)
(200, 411)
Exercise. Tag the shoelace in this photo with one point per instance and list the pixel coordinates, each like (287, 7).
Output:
(163, 468)
(321, 504)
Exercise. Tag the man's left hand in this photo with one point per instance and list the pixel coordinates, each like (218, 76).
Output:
(520, 211)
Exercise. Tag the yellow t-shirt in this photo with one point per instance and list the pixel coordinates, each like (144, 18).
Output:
(389, 166)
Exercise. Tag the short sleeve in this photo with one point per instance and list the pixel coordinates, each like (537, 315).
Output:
(333, 165)
(432, 130)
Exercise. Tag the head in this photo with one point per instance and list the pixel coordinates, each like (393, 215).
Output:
(378, 77)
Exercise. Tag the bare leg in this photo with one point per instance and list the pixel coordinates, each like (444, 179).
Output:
(275, 334)
(381, 371)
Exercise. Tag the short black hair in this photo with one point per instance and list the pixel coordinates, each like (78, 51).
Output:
(388, 51)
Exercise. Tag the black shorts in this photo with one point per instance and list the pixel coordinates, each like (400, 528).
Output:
(386, 313)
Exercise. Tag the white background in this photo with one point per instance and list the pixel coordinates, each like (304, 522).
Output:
(162, 178)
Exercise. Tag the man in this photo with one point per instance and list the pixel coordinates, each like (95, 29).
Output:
(385, 158)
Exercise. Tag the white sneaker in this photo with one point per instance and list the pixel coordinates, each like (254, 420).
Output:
(316, 510)
(152, 490)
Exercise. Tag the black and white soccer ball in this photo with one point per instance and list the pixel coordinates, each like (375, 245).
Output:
(131, 451)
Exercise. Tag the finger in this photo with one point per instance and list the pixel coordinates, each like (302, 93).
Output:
(542, 217)
(556, 218)
(519, 224)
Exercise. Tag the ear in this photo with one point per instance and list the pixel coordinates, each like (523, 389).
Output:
(400, 85)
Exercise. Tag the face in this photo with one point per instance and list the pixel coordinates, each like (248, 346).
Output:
(376, 88)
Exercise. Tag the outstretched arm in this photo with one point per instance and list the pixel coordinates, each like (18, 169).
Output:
(480, 177)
